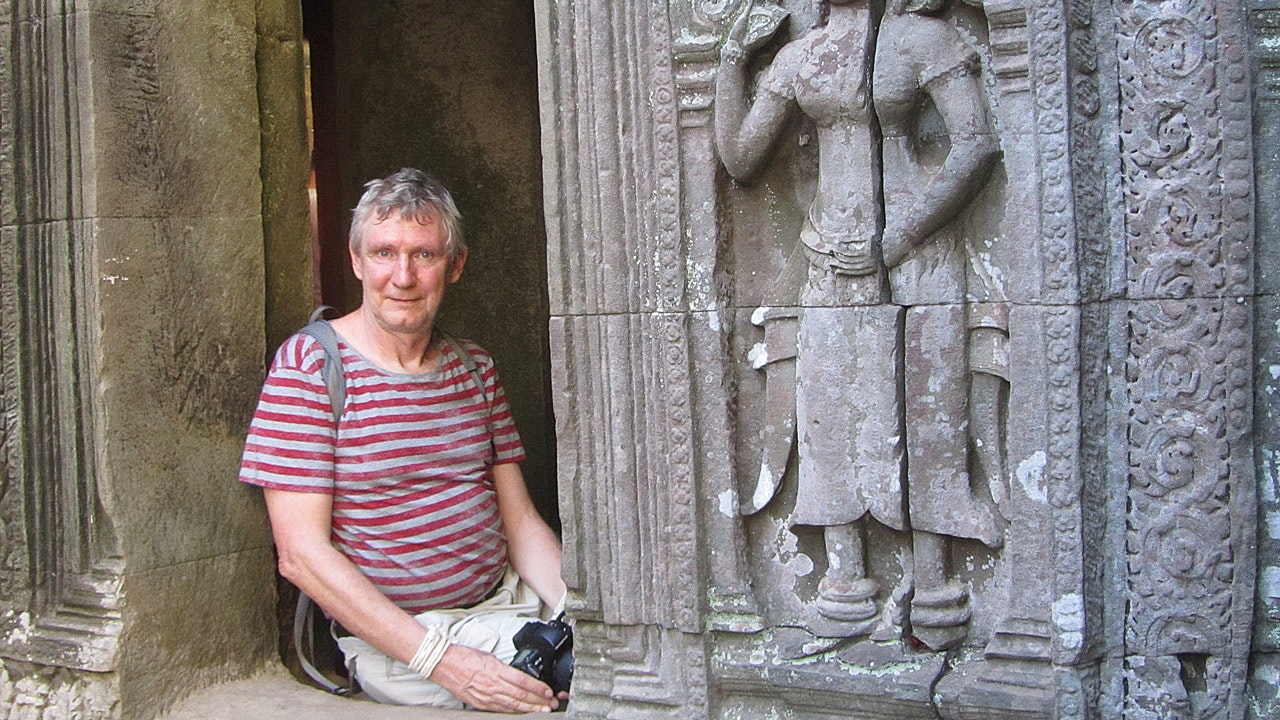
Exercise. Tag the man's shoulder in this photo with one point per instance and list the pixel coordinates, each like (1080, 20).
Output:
(299, 352)
(479, 355)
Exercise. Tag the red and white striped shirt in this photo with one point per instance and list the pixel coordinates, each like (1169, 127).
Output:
(409, 467)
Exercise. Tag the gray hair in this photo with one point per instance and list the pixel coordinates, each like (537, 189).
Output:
(413, 195)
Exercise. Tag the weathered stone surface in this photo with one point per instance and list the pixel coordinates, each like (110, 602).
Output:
(181, 366)
(177, 641)
(162, 121)
(280, 21)
(273, 694)
(132, 347)
(36, 692)
(1102, 304)
(8, 136)
(1264, 677)
(60, 608)
(286, 170)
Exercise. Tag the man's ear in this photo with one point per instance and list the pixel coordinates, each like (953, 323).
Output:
(455, 270)
(355, 262)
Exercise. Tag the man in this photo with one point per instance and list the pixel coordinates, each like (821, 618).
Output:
(411, 503)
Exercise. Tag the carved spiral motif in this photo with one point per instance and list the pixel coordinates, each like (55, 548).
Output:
(1190, 547)
(1180, 220)
(1170, 47)
(1176, 372)
(1175, 465)
(1171, 135)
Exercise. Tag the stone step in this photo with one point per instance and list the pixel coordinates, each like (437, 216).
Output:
(275, 695)
(80, 619)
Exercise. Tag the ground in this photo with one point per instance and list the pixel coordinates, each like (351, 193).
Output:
(274, 695)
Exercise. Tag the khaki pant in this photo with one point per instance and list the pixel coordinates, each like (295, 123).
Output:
(488, 627)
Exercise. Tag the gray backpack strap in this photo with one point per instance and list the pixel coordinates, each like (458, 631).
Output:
(322, 331)
(468, 362)
(304, 644)
(335, 380)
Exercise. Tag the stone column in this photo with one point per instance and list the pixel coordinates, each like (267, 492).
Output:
(132, 340)
(1264, 679)
(1187, 181)
(622, 346)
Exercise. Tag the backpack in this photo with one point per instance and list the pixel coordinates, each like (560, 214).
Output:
(336, 382)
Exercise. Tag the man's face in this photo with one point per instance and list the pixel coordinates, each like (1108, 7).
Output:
(403, 267)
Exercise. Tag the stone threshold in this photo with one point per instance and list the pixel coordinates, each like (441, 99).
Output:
(274, 694)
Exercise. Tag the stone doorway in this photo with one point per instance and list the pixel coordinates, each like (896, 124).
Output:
(450, 88)
(152, 218)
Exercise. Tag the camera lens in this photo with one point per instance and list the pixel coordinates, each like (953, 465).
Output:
(561, 671)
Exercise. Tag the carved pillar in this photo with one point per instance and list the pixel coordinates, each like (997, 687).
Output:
(61, 573)
(622, 344)
(1264, 680)
(1031, 663)
(131, 349)
(1187, 183)
(696, 27)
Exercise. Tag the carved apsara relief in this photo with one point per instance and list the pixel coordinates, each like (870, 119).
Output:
(886, 364)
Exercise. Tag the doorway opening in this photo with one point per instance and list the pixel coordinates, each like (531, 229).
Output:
(451, 89)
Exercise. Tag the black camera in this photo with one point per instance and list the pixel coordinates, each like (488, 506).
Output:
(545, 651)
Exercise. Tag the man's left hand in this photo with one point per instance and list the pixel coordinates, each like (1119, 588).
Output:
(483, 682)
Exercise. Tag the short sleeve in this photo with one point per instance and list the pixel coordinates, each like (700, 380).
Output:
(290, 445)
(507, 446)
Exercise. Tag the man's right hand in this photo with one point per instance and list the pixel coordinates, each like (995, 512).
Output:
(483, 682)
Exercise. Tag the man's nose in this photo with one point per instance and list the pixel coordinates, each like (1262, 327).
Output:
(403, 274)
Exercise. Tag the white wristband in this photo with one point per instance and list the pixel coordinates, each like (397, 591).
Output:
(429, 652)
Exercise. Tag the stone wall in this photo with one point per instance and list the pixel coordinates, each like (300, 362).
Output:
(921, 382)
(1264, 679)
(136, 570)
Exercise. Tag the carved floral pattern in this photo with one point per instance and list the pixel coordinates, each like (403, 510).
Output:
(1190, 348)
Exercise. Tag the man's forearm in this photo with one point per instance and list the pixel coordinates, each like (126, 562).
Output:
(534, 550)
(309, 560)
(537, 560)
